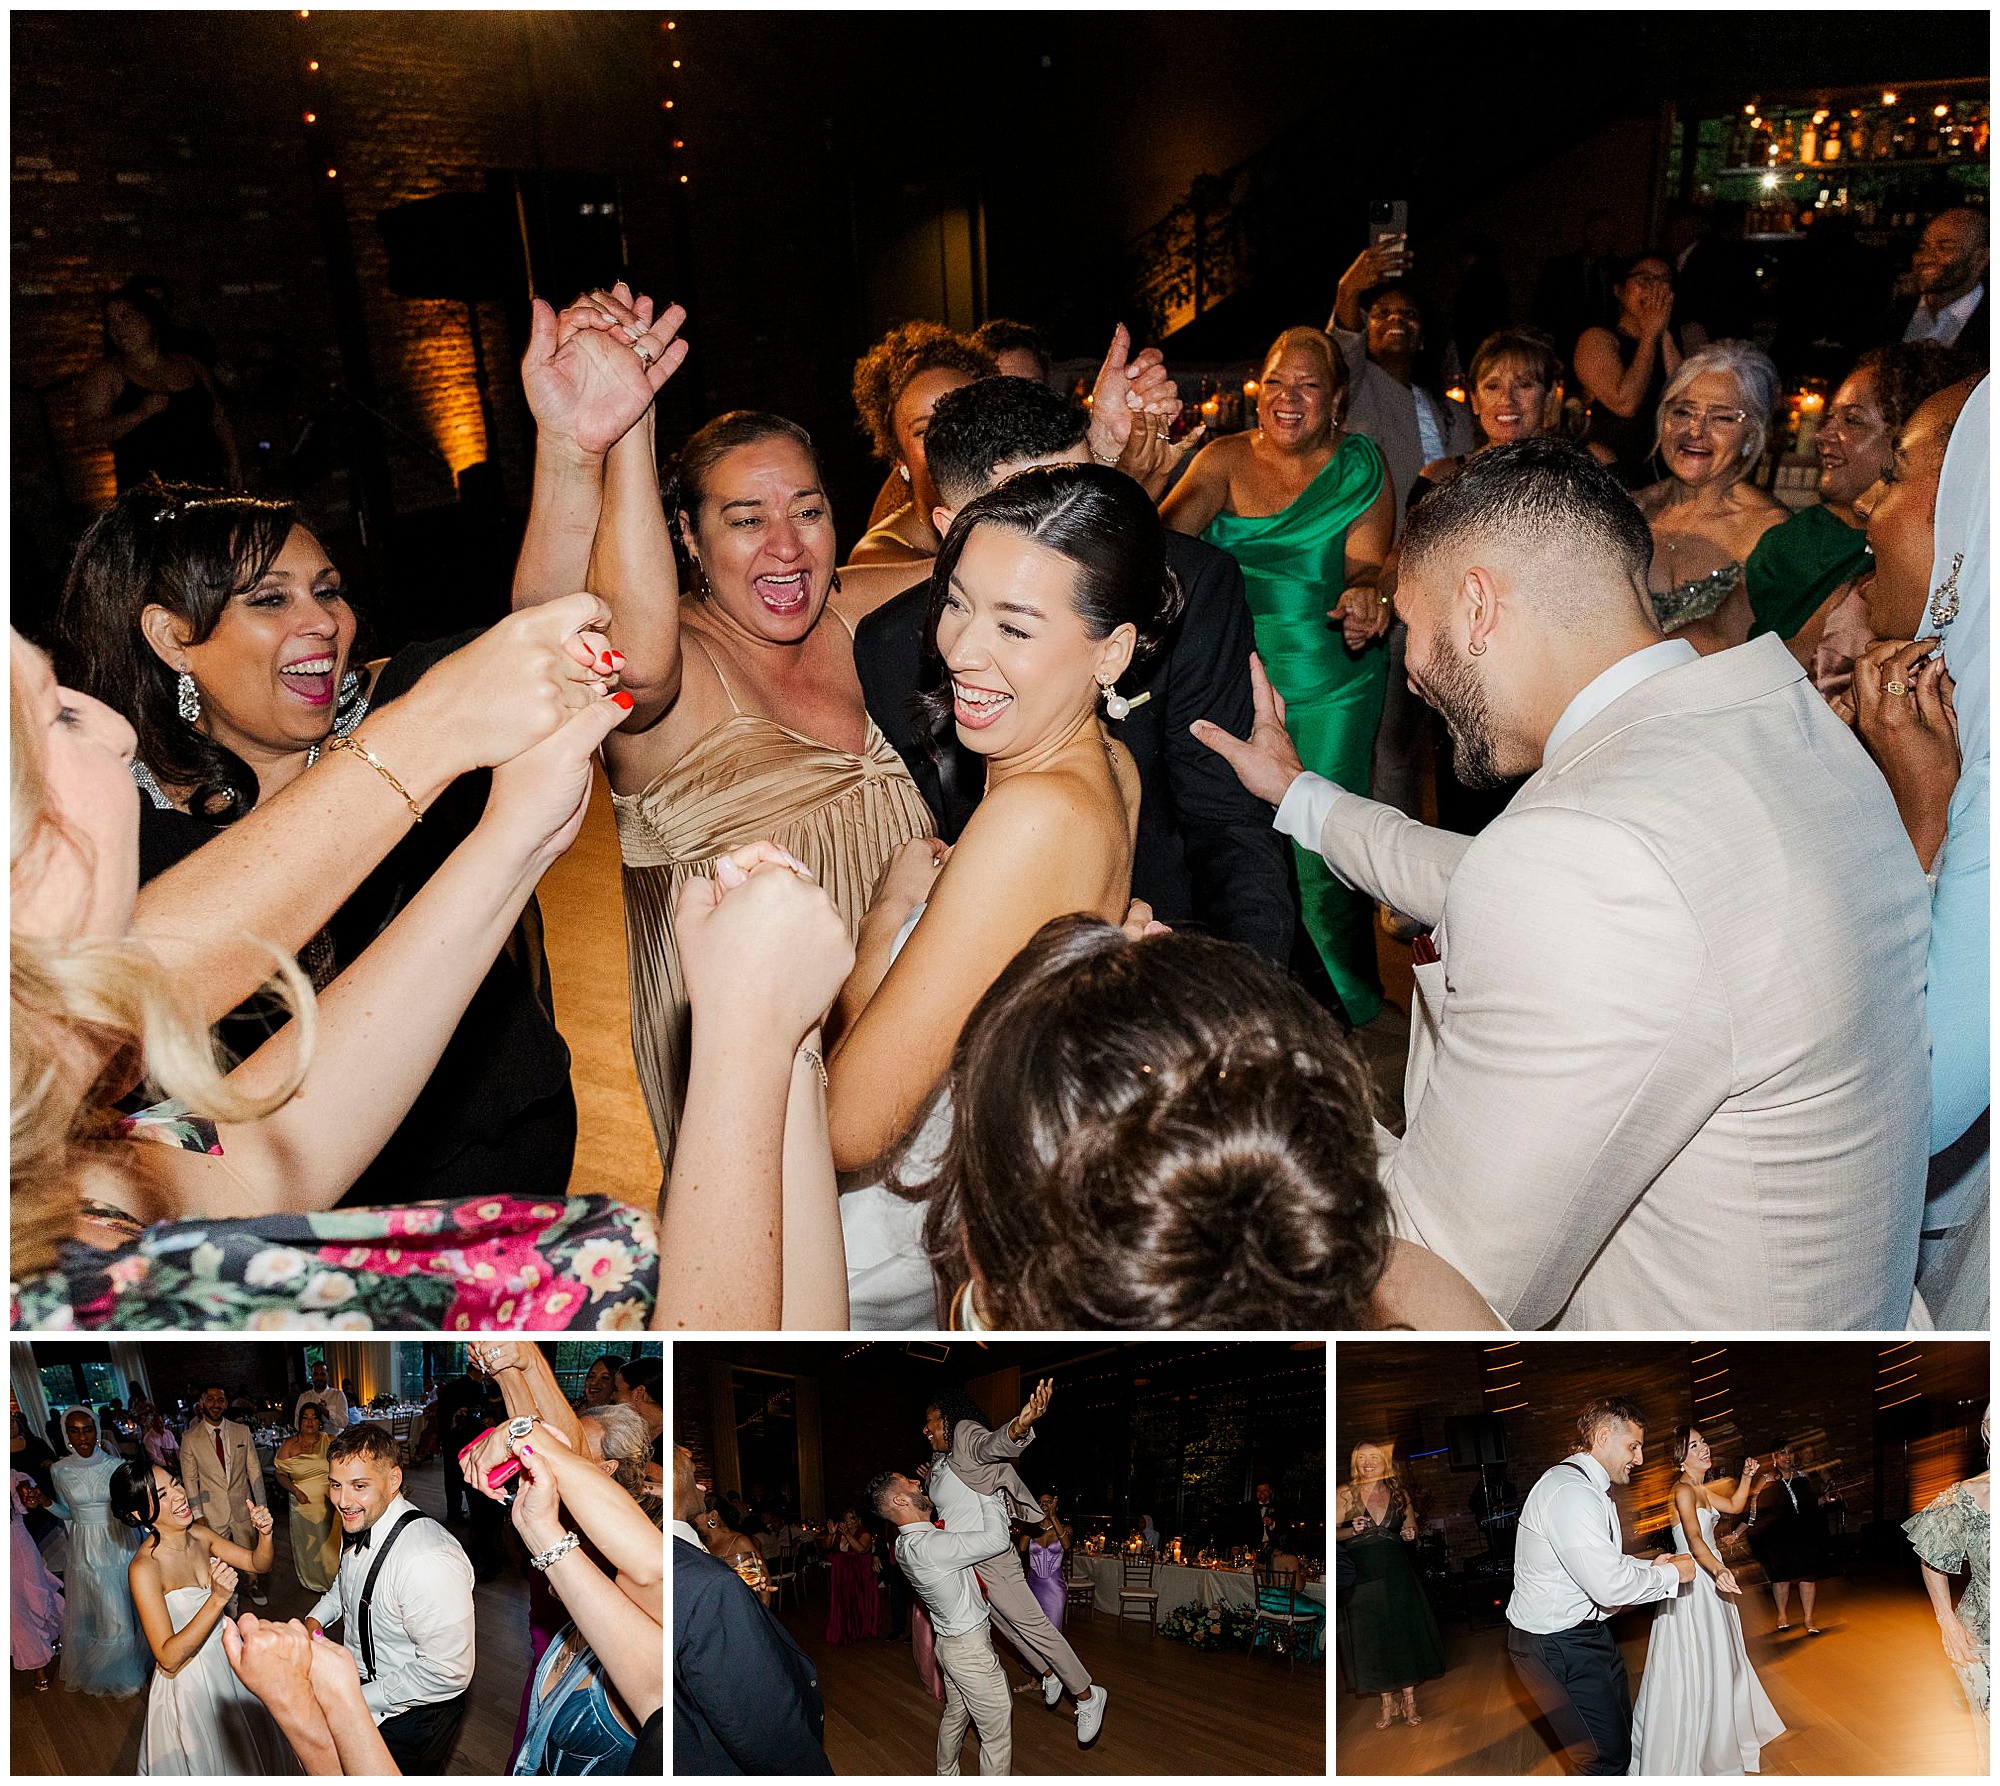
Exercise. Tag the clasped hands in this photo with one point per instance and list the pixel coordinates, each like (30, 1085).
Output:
(1901, 707)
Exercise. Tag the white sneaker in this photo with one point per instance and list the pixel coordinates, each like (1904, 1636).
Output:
(1090, 1715)
(1051, 1689)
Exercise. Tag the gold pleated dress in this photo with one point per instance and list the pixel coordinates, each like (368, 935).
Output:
(841, 814)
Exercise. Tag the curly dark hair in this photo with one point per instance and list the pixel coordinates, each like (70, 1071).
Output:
(1909, 372)
(1156, 1135)
(953, 1405)
(189, 550)
(884, 372)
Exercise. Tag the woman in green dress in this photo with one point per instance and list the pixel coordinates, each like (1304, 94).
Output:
(1306, 509)
(1388, 1634)
(301, 1462)
(1955, 1532)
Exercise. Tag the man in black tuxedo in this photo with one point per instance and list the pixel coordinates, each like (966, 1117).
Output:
(746, 1700)
(1207, 857)
(1948, 272)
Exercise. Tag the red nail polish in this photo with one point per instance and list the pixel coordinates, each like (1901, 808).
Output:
(604, 657)
(623, 699)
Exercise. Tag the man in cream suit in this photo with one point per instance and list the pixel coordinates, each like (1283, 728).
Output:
(220, 1471)
(1668, 1062)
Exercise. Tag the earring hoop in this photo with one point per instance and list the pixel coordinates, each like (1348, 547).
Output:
(1475, 651)
(187, 698)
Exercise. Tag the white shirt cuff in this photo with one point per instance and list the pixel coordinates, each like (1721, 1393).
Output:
(1302, 813)
(1664, 1564)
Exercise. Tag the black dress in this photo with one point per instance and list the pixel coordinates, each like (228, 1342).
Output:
(1789, 1537)
(1388, 1635)
(498, 1115)
(1630, 438)
(178, 445)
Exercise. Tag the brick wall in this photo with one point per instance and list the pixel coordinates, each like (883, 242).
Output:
(175, 143)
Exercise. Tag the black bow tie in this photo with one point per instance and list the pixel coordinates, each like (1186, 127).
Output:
(356, 1540)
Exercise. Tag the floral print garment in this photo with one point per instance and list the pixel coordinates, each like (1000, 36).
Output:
(1951, 1534)
(475, 1265)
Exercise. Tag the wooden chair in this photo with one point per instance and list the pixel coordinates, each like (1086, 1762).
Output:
(1081, 1586)
(1136, 1585)
(1278, 1606)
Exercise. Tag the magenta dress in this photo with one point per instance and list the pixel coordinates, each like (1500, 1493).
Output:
(923, 1648)
(855, 1612)
(1045, 1578)
(37, 1595)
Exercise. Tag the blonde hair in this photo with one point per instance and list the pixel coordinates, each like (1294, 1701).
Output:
(74, 999)
(1332, 363)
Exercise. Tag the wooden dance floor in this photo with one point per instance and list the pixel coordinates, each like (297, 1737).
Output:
(73, 1733)
(1872, 1694)
(1172, 1711)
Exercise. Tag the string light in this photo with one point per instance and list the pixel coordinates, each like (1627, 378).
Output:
(312, 117)
(312, 68)
(333, 173)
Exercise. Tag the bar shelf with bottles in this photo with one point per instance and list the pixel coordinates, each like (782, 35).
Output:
(1887, 157)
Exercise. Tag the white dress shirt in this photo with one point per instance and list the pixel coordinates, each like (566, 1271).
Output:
(1944, 326)
(1301, 815)
(957, 1505)
(939, 1565)
(333, 1405)
(421, 1617)
(1570, 1566)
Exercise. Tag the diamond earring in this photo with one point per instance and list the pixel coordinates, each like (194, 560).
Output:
(187, 698)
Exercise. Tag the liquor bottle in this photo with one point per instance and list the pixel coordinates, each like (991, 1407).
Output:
(1809, 141)
(1979, 130)
(1829, 148)
(1763, 145)
(1788, 143)
(1931, 143)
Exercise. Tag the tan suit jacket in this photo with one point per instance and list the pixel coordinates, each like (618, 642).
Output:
(983, 1459)
(1671, 1068)
(217, 1491)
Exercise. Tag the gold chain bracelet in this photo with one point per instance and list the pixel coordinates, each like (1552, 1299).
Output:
(350, 742)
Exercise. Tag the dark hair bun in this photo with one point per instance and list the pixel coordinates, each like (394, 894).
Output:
(1154, 633)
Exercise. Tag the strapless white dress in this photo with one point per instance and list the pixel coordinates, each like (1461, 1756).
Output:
(203, 1720)
(1701, 1708)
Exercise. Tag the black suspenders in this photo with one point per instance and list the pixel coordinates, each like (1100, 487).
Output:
(368, 1588)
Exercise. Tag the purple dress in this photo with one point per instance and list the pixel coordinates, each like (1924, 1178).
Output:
(37, 1595)
(1045, 1577)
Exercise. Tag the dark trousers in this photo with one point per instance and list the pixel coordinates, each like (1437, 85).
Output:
(421, 1738)
(1578, 1679)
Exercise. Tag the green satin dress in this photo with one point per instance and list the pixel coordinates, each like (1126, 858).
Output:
(1294, 568)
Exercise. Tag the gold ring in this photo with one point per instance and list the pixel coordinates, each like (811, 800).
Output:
(1896, 688)
(645, 359)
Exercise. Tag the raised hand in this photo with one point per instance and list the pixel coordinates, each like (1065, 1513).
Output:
(1905, 715)
(260, 1517)
(1750, 1468)
(501, 1355)
(221, 1579)
(592, 372)
(1127, 385)
(1034, 1407)
(1266, 762)
(537, 1507)
(541, 795)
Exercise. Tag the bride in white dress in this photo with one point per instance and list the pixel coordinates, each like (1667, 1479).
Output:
(1701, 1708)
(200, 1718)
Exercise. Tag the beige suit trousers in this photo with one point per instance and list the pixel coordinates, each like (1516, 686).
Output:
(975, 1691)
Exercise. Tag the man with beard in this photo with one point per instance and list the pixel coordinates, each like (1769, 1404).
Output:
(939, 1566)
(1668, 1062)
(1948, 286)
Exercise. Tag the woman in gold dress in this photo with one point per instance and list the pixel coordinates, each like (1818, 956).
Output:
(747, 720)
(301, 1464)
